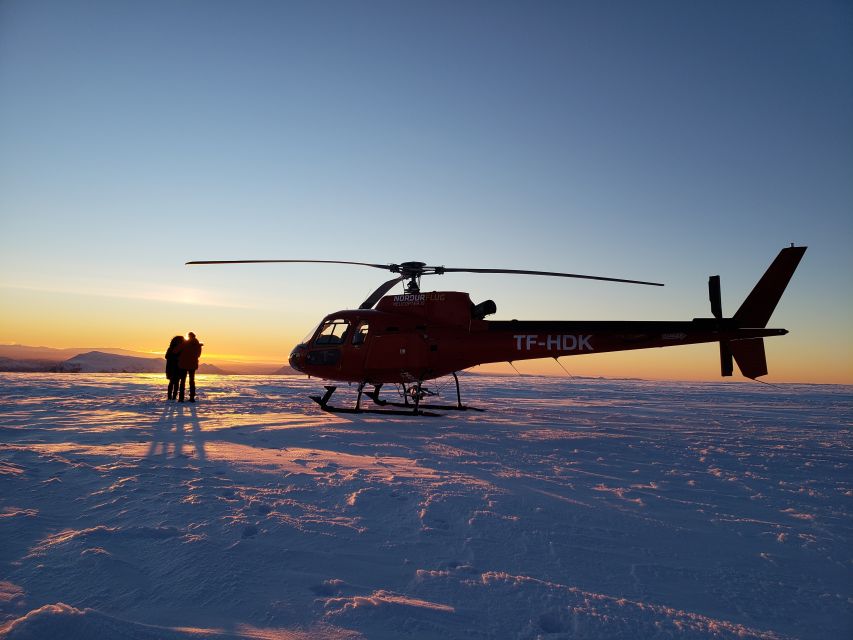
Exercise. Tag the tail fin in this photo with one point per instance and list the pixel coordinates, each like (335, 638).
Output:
(756, 310)
(749, 355)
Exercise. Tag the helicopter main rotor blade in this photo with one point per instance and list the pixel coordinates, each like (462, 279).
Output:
(386, 267)
(547, 273)
(411, 270)
(381, 291)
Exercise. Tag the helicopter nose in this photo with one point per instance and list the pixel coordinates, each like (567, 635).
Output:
(297, 356)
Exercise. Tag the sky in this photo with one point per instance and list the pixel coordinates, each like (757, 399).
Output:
(662, 141)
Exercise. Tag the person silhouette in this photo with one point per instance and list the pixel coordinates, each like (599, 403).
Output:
(173, 371)
(188, 363)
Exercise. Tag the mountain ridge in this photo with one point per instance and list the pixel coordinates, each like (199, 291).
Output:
(24, 358)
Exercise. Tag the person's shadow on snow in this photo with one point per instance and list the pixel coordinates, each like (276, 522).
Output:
(170, 432)
(197, 436)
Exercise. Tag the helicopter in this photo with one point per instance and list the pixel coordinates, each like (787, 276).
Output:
(410, 338)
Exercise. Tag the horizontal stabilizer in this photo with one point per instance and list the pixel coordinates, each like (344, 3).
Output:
(756, 310)
(750, 358)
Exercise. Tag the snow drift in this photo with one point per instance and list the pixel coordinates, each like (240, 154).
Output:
(570, 509)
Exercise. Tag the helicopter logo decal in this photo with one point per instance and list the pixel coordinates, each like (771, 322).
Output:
(410, 299)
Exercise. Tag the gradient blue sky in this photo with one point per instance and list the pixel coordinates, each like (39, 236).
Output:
(656, 140)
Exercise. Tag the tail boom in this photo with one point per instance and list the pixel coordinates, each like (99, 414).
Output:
(741, 337)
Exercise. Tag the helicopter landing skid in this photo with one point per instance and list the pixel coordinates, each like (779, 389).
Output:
(417, 393)
(374, 396)
(412, 410)
(437, 407)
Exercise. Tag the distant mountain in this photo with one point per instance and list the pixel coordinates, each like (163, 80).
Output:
(212, 368)
(11, 364)
(235, 367)
(24, 352)
(22, 358)
(285, 371)
(100, 362)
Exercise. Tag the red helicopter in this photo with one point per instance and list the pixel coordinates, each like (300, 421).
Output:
(413, 337)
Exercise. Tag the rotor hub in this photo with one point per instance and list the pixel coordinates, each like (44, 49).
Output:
(412, 272)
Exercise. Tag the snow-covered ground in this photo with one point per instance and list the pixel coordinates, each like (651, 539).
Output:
(570, 509)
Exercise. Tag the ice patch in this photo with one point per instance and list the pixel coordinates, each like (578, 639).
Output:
(11, 595)
(382, 599)
(102, 532)
(8, 469)
(62, 621)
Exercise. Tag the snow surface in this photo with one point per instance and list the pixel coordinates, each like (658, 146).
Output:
(570, 509)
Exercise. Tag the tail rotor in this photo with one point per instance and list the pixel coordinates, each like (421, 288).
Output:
(754, 313)
(726, 362)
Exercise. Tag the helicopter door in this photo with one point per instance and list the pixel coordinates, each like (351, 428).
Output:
(359, 345)
(359, 336)
(398, 354)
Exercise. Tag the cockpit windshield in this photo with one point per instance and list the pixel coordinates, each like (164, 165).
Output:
(310, 334)
(332, 332)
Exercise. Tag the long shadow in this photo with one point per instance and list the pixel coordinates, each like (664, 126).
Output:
(160, 437)
(169, 433)
(197, 435)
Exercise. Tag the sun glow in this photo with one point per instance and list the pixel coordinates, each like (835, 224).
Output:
(238, 338)
(146, 291)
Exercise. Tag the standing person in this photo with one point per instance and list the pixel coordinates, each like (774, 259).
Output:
(188, 362)
(173, 371)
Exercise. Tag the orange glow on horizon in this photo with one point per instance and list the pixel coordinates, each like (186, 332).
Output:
(699, 362)
(247, 336)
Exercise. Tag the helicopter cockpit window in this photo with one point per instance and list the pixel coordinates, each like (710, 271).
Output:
(309, 335)
(360, 334)
(333, 332)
